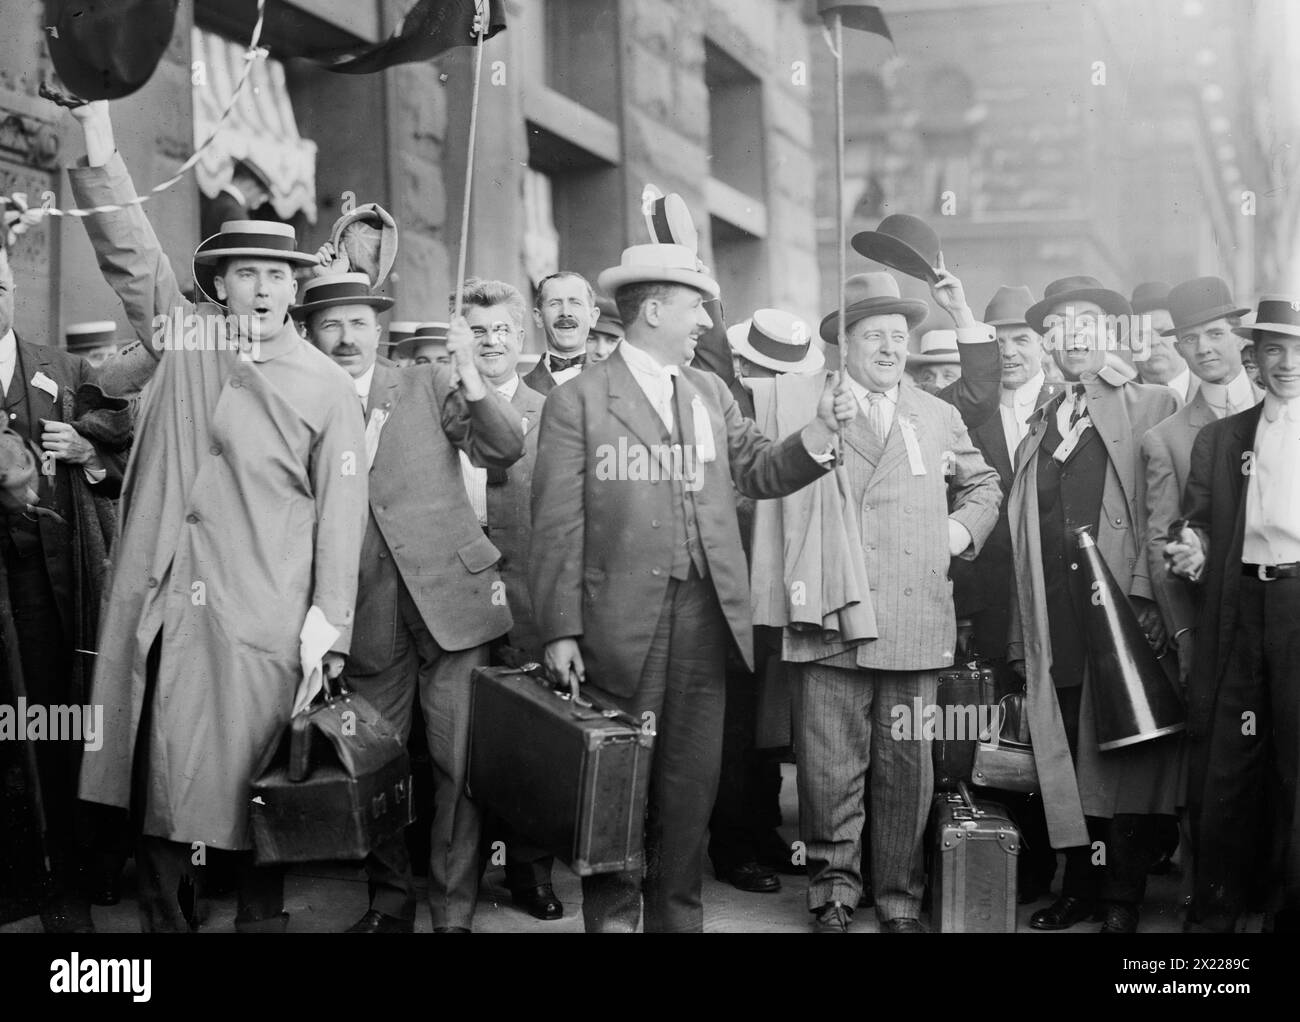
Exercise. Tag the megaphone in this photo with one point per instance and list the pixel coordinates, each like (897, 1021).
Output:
(1133, 700)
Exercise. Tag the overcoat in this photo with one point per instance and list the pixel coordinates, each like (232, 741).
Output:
(244, 505)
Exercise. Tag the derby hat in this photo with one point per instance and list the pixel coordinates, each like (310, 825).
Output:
(609, 322)
(107, 50)
(335, 289)
(1148, 296)
(81, 337)
(1008, 306)
(1274, 315)
(776, 340)
(1076, 289)
(669, 264)
(903, 243)
(873, 294)
(245, 239)
(1199, 301)
(938, 347)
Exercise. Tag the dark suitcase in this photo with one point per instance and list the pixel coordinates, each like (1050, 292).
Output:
(973, 868)
(333, 785)
(572, 779)
(966, 698)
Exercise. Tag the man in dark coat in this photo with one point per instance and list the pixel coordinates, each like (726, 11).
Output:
(566, 309)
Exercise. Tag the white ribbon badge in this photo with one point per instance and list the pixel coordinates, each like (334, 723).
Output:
(913, 446)
(704, 446)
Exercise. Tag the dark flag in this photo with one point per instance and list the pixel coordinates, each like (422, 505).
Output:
(863, 17)
(429, 28)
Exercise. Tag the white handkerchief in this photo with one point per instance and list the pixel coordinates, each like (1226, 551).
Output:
(374, 427)
(704, 446)
(314, 641)
(913, 447)
(43, 382)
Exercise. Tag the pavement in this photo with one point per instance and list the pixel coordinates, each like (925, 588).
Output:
(327, 898)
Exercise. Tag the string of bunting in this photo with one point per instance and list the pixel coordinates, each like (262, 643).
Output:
(254, 52)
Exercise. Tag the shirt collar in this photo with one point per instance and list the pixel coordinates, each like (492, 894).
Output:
(362, 382)
(1236, 391)
(1027, 393)
(8, 347)
(508, 389)
(1180, 383)
(641, 361)
(1275, 408)
(860, 392)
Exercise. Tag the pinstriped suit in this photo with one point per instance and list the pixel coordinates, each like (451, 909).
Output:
(846, 700)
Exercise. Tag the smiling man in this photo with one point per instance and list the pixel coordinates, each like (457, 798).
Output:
(1078, 466)
(566, 310)
(640, 584)
(1243, 547)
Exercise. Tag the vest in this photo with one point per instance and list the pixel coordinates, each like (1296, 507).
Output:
(687, 549)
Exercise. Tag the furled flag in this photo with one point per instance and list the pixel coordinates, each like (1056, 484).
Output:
(864, 17)
(429, 28)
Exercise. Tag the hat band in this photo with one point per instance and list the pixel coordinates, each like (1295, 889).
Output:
(778, 350)
(91, 340)
(336, 292)
(659, 221)
(1273, 311)
(277, 242)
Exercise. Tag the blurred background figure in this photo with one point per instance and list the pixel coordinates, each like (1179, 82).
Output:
(94, 341)
(937, 365)
(248, 190)
(1155, 356)
(399, 330)
(606, 332)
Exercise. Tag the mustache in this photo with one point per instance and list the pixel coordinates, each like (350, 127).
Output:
(564, 322)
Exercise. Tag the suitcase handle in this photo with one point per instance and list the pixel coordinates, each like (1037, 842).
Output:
(964, 792)
(534, 671)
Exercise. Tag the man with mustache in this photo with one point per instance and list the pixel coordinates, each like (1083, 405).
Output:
(1078, 466)
(566, 309)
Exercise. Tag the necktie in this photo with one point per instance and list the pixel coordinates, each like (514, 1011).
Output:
(1080, 406)
(876, 414)
(558, 364)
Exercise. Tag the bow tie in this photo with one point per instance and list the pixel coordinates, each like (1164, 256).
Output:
(557, 364)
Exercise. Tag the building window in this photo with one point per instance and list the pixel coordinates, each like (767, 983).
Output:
(735, 122)
(580, 59)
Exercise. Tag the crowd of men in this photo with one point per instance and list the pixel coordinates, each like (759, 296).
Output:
(311, 480)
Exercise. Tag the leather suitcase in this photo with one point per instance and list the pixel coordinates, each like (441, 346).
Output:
(973, 867)
(972, 684)
(333, 785)
(572, 779)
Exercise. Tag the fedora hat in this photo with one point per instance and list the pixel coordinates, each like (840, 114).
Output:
(245, 239)
(1275, 314)
(107, 50)
(938, 347)
(338, 289)
(1198, 301)
(81, 337)
(609, 322)
(668, 219)
(1153, 294)
(670, 264)
(903, 243)
(872, 294)
(776, 340)
(1076, 289)
(1008, 306)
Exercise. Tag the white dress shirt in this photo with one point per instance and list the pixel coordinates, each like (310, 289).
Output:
(475, 477)
(1272, 534)
(1229, 398)
(362, 383)
(1181, 385)
(8, 360)
(886, 407)
(1015, 407)
(655, 380)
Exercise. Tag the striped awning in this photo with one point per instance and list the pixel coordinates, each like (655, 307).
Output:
(261, 126)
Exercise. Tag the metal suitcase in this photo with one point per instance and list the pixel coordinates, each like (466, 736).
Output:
(572, 779)
(964, 687)
(973, 867)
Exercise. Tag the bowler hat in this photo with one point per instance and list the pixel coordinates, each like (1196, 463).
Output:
(107, 49)
(1275, 315)
(670, 264)
(776, 340)
(1076, 289)
(609, 322)
(938, 347)
(903, 243)
(1153, 294)
(1199, 301)
(336, 289)
(872, 294)
(245, 239)
(1008, 305)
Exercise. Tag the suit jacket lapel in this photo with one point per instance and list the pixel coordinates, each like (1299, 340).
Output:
(992, 440)
(1199, 412)
(1109, 414)
(628, 403)
(383, 390)
(895, 450)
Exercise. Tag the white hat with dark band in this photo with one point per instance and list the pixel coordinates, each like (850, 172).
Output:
(776, 340)
(245, 239)
(101, 333)
(338, 289)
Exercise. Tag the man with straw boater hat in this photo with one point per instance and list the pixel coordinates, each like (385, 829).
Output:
(1242, 547)
(937, 365)
(242, 517)
(636, 570)
(399, 330)
(94, 341)
(425, 612)
(426, 345)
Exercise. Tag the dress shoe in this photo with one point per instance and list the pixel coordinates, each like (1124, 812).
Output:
(902, 926)
(1065, 912)
(378, 922)
(539, 902)
(1120, 918)
(451, 929)
(751, 877)
(833, 917)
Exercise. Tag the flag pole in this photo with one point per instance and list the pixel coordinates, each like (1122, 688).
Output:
(480, 27)
(840, 225)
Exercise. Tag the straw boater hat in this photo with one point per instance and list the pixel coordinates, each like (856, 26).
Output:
(338, 289)
(938, 347)
(1199, 301)
(400, 330)
(1275, 315)
(245, 239)
(776, 340)
(609, 322)
(873, 294)
(1076, 289)
(668, 219)
(84, 337)
(428, 332)
(903, 243)
(672, 264)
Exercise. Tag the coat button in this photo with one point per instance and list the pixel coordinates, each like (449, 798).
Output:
(13, 415)
(655, 571)
(907, 549)
(193, 519)
(654, 524)
(866, 507)
(153, 583)
(236, 382)
(907, 592)
(1119, 521)
(383, 555)
(907, 510)
(215, 449)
